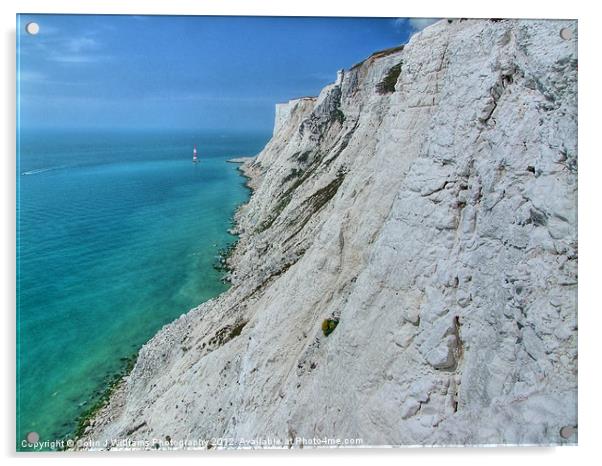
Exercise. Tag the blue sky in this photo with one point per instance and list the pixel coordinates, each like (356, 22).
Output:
(179, 72)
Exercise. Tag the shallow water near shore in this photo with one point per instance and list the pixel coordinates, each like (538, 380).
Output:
(117, 235)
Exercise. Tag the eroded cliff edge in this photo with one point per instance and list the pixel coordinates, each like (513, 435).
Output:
(427, 201)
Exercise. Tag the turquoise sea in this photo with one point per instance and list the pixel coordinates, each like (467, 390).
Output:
(116, 236)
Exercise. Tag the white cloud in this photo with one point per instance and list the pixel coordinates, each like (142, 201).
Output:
(418, 24)
(415, 24)
(66, 49)
(31, 76)
(81, 44)
(77, 58)
(76, 50)
(206, 97)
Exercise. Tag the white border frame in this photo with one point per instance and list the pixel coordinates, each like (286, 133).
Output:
(590, 170)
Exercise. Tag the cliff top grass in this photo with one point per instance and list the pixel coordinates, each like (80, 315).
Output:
(387, 85)
(387, 52)
(380, 54)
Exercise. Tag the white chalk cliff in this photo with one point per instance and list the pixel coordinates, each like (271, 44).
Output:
(427, 201)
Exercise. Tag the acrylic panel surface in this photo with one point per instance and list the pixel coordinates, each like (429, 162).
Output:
(276, 232)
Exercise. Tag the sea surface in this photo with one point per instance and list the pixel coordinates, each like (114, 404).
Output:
(117, 234)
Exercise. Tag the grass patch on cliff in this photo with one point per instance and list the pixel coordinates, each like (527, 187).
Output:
(316, 201)
(294, 173)
(223, 254)
(304, 156)
(278, 208)
(387, 85)
(328, 326)
(338, 115)
(321, 197)
(298, 177)
(301, 157)
(227, 333)
(286, 197)
(342, 146)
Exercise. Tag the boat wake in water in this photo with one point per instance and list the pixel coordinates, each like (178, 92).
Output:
(44, 170)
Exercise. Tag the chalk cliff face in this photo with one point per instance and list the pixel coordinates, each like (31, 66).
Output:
(427, 202)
